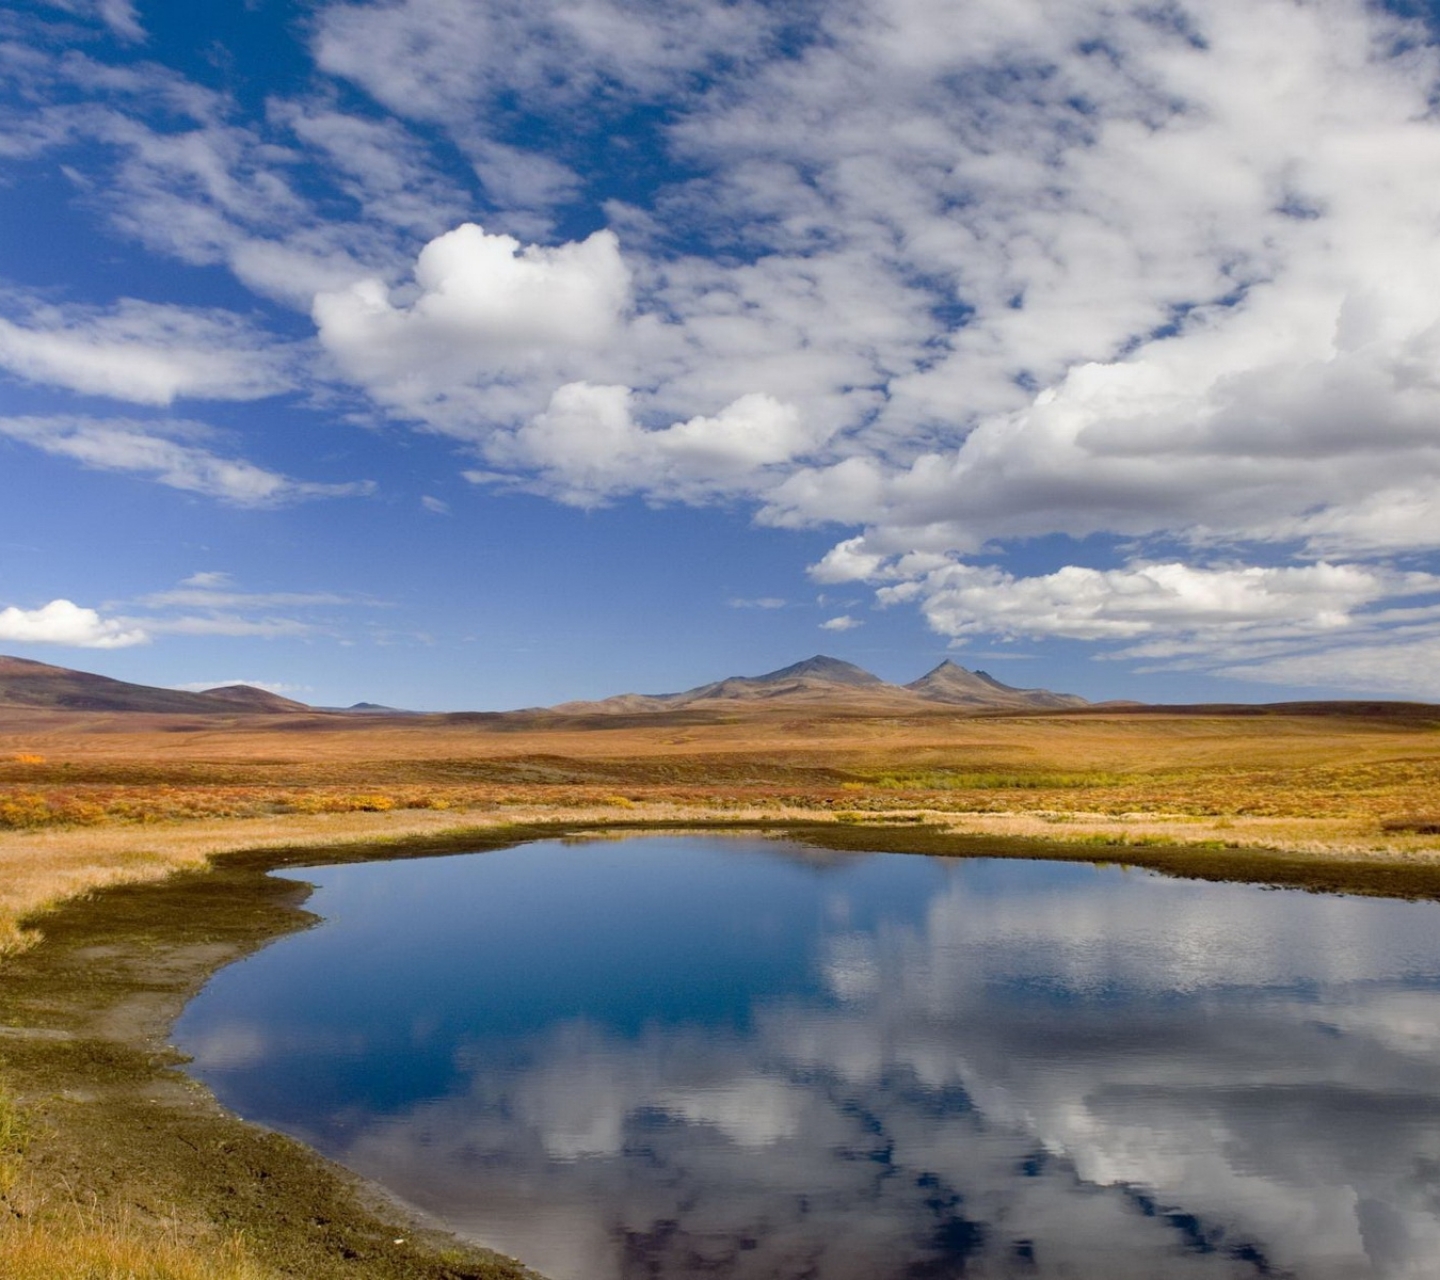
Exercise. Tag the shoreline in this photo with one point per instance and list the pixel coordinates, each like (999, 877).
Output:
(119, 1128)
(42, 869)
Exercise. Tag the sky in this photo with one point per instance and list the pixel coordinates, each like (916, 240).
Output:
(492, 353)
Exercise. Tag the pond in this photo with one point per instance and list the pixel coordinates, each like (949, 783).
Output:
(742, 1058)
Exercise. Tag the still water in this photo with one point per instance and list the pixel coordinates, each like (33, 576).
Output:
(739, 1058)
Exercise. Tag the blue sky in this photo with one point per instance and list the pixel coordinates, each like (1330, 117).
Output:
(450, 353)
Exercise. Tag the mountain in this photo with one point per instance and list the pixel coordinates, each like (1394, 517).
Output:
(831, 680)
(248, 697)
(819, 682)
(817, 676)
(954, 684)
(24, 683)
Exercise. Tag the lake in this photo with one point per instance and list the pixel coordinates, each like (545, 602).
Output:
(737, 1057)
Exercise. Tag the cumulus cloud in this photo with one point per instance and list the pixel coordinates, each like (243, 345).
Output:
(843, 623)
(145, 353)
(170, 453)
(1143, 599)
(1351, 626)
(63, 623)
(587, 447)
(485, 308)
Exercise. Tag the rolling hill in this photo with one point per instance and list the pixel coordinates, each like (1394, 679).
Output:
(819, 682)
(822, 679)
(24, 683)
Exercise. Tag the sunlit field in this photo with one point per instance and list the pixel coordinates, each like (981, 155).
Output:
(87, 800)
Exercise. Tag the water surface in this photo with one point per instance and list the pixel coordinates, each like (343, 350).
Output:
(735, 1057)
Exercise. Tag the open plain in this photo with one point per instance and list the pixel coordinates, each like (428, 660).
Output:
(109, 1155)
(93, 798)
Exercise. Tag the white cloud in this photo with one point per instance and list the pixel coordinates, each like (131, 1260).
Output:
(761, 602)
(843, 623)
(380, 164)
(63, 623)
(233, 625)
(212, 594)
(168, 453)
(1401, 667)
(442, 59)
(1143, 599)
(208, 579)
(586, 447)
(144, 353)
(484, 308)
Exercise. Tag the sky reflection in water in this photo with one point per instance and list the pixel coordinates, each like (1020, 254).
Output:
(689, 1056)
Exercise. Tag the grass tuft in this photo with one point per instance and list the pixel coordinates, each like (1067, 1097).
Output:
(75, 1251)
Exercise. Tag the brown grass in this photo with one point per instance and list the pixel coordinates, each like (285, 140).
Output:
(88, 800)
(76, 1249)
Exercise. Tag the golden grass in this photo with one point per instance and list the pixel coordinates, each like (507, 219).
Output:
(60, 1250)
(42, 1240)
(89, 800)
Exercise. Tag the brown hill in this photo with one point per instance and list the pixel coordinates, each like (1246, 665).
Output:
(831, 681)
(247, 697)
(951, 683)
(24, 683)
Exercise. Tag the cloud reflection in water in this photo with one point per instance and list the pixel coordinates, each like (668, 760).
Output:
(933, 1069)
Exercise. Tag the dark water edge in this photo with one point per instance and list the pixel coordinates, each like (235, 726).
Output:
(661, 1102)
(1379, 875)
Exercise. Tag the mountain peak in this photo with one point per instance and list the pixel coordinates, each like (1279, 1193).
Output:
(950, 682)
(823, 667)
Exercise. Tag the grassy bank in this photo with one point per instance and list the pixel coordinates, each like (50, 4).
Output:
(40, 868)
(113, 1164)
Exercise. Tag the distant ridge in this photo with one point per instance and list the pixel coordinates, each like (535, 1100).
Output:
(825, 679)
(248, 696)
(819, 682)
(24, 683)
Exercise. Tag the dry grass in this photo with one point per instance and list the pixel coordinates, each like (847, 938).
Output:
(73, 1249)
(90, 800)
(48, 1237)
